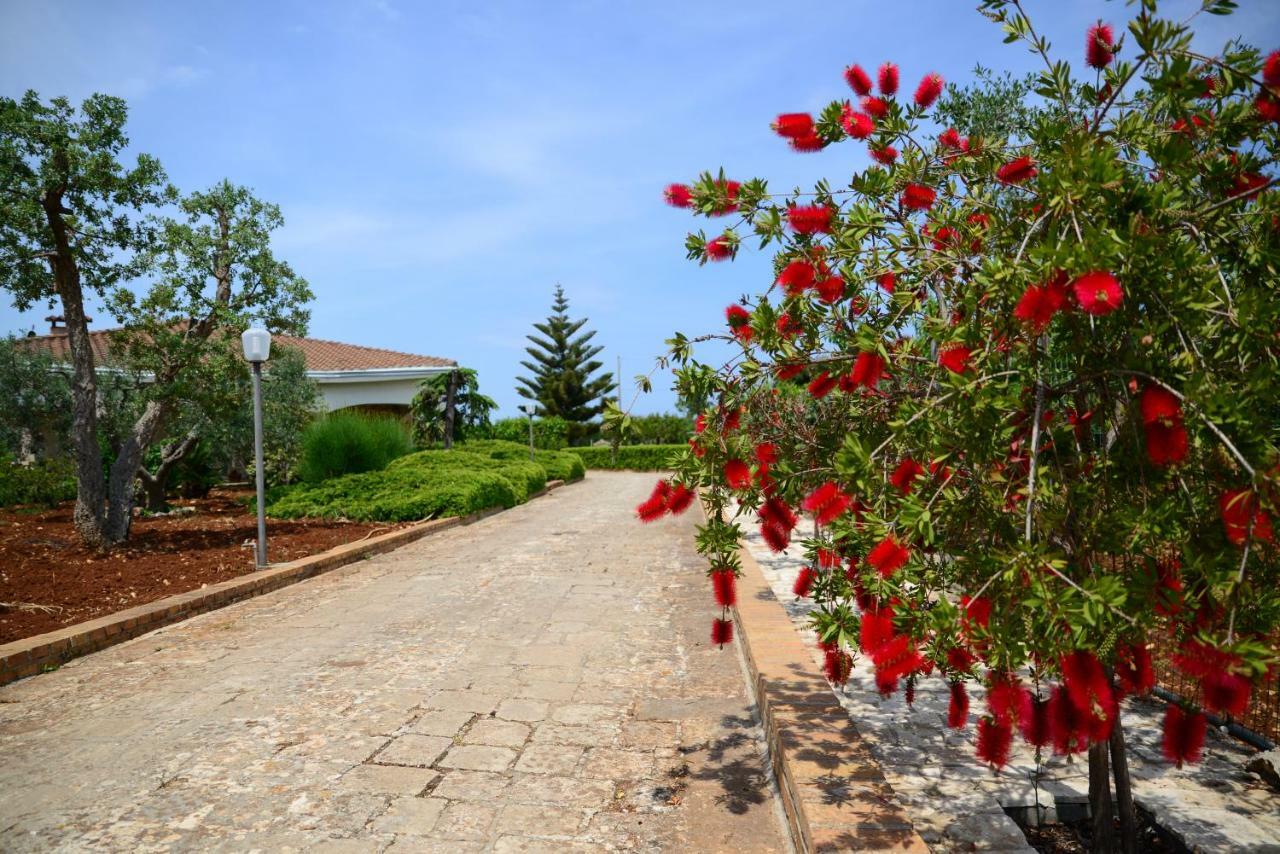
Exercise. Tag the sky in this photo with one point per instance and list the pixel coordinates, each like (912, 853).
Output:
(442, 165)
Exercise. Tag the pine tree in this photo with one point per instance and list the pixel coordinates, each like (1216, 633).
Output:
(562, 366)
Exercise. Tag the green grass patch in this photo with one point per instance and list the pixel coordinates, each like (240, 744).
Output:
(349, 443)
(630, 457)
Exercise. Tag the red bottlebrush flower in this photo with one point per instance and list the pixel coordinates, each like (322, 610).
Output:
(804, 582)
(700, 423)
(943, 237)
(787, 372)
(1039, 303)
(679, 500)
(904, 476)
(837, 666)
(858, 79)
(766, 453)
(739, 322)
(887, 282)
(777, 521)
(797, 276)
(655, 506)
(730, 204)
(732, 420)
(1168, 587)
(830, 289)
(810, 219)
(960, 659)
(868, 369)
(678, 195)
(928, 90)
(1247, 184)
(827, 503)
(857, 125)
(1271, 69)
(994, 740)
(1067, 725)
(822, 385)
(950, 138)
(1183, 735)
(1087, 686)
(888, 79)
(958, 708)
(975, 614)
(1267, 106)
(828, 559)
(955, 358)
(809, 143)
(1099, 47)
(1006, 698)
(737, 474)
(875, 107)
(1098, 292)
(721, 632)
(1225, 693)
(725, 585)
(1201, 660)
(918, 197)
(888, 556)
(885, 154)
(719, 248)
(1167, 445)
(1133, 669)
(1159, 405)
(886, 683)
(876, 629)
(1239, 509)
(1017, 171)
(1033, 720)
(897, 657)
(793, 125)
(978, 220)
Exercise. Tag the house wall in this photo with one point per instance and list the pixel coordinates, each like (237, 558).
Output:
(340, 395)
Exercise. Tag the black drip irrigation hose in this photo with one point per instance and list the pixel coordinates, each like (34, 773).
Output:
(1243, 733)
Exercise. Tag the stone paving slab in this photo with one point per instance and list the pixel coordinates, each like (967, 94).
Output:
(957, 804)
(541, 680)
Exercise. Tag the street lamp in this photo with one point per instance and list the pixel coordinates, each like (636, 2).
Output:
(257, 349)
(528, 410)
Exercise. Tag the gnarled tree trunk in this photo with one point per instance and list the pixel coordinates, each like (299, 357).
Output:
(155, 485)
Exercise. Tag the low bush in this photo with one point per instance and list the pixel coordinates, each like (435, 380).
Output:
(423, 485)
(559, 465)
(630, 457)
(349, 443)
(660, 429)
(44, 483)
(550, 434)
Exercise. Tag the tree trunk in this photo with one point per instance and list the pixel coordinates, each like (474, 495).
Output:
(120, 490)
(90, 482)
(155, 486)
(1100, 799)
(1124, 791)
(450, 409)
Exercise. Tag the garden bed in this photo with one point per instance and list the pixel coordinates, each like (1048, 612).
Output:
(42, 562)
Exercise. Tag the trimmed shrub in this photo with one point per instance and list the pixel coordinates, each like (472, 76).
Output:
(662, 429)
(44, 483)
(631, 457)
(559, 465)
(349, 443)
(550, 434)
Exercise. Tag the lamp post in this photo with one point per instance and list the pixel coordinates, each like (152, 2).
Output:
(528, 410)
(257, 349)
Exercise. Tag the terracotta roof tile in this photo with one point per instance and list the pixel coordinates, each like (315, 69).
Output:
(320, 355)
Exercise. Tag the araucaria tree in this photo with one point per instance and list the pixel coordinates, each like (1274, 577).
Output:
(564, 381)
(77, 223)
(1024, 387)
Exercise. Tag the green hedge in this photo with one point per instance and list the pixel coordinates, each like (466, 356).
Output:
(427, 484)
(548, 433)
(630, 457)
(350, 443)
(560, 465)
(44, 483)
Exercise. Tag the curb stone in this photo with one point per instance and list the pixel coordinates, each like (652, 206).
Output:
(29, 656)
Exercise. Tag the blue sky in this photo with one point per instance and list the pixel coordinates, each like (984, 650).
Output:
(442, 165)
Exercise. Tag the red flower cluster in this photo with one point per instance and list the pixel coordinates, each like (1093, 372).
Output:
(719, 248)
(797, 276)
(822, 385)
(737, 474)
(1162, 424)
(810, 219)
(1133, 669)
(928, 90)
(955, 358)
(888, 79)
(885, 154)
(918, 197)
(777, 521)
(875, 107)
(721, 632)
(1098, 292)
(1039, 303)
(895, 658)
(678, 195)
(857, 125)
(958, 708)
(804, 581)
(1017, 171)
(799, 130)
(887, 282)
(664, 499)
(868, 370)
(837, 666)
(905, 475)
(1240, 512)
(858, 79)
(739, 323)
(830, 289)
(1099, 46)
(827, 503)
(725, 585)
(994, 739)
(888, 556)
(1183, 735)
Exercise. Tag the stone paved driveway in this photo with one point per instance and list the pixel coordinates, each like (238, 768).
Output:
(538, 681)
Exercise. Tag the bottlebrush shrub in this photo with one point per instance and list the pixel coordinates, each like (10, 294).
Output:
(1053, 434)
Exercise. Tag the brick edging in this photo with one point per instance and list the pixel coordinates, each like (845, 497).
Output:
(834, 794)
(29, 656)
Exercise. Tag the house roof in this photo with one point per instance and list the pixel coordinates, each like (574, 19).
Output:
(319, 354)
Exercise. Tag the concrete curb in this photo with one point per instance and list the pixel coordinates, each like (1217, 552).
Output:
(33, 655)
(835, 796)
